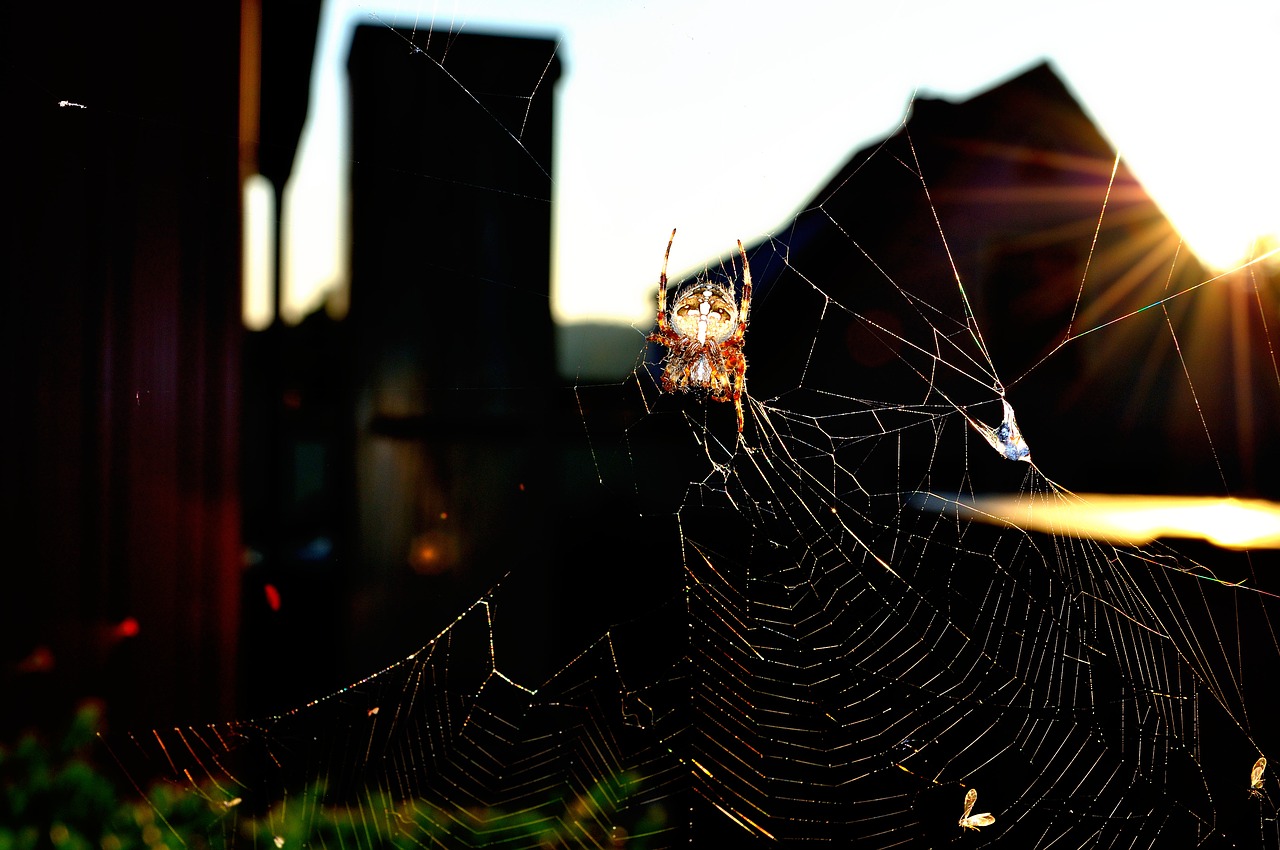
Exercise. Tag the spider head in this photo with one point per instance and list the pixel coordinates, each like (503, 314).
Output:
(704, 311)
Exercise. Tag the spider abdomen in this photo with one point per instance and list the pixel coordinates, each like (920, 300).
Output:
(701, 366)
(701, 371)
(704, 312)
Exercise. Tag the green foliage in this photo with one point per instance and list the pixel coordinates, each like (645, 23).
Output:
(56, 798)
(588, 820)
(53, 796)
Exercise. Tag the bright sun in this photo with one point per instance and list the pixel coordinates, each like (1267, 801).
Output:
(1228, 234)
(1226, 209)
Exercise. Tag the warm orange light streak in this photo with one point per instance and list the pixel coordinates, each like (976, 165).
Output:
(1133, 520)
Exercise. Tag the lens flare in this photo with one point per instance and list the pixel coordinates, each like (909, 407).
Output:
(1128, 519)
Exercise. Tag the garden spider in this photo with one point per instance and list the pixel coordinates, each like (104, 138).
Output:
(703, 335)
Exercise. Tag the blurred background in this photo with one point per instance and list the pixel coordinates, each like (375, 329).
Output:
(291, 366)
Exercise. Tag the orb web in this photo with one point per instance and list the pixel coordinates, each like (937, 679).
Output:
(847, 641)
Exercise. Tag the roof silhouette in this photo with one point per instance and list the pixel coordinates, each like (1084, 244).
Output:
(989, 207)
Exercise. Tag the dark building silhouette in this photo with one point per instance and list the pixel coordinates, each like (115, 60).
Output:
(122, 336)
(402, 460)
(290, 494)
(121, 345)
(450, 323)
(408, 468)
(1018, 176)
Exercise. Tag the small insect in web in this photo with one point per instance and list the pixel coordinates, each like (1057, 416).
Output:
(1255, 777)
(703, 335)
(1006, 438)
(968, 821)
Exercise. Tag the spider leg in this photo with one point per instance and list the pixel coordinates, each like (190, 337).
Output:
(737, 364)
(662, 287)
(745, 308)
(744, 312)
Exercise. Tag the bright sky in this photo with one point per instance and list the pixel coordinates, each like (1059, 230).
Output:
(721, 118)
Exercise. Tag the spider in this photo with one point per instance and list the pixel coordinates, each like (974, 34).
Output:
(703, 335)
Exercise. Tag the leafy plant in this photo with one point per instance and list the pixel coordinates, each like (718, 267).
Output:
(56, 798)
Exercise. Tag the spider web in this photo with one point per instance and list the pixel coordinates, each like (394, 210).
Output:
(812, 637)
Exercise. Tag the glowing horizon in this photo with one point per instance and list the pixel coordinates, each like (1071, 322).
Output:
(1199, 141)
